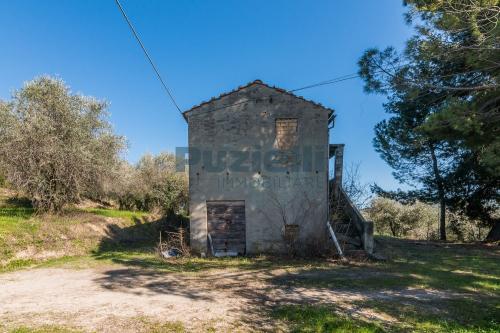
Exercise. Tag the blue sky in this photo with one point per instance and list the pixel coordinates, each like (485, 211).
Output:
(204, 48)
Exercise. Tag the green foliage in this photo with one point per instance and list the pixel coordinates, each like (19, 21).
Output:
(56, 146)
(152, 185)
(386, 214)
(443, 135)
(418, 220)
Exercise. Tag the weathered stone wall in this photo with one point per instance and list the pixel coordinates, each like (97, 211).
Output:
(231, 161)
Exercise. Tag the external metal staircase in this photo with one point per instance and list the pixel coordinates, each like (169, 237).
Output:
(349, 231)
(351, 234)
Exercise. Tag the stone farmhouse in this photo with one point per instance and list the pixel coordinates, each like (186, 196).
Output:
(259, 166)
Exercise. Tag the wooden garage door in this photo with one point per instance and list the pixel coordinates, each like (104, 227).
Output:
(226, 225)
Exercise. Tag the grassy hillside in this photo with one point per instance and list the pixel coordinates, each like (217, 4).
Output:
(27, 238)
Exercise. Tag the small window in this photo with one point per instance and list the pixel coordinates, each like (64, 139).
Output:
(291, 233)
(286, 133)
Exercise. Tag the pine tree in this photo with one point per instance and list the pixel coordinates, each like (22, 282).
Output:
(444, 97)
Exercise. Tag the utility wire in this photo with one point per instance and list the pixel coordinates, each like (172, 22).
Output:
(333, 81)
(323, 83)
(147, 56)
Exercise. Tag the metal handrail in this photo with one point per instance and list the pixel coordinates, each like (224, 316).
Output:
(334, 238)
(353, 211)
(211, 244)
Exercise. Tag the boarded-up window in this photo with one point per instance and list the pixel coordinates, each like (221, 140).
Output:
(291, 232)
(286, 133)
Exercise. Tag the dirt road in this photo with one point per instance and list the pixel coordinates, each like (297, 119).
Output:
(125, 299)
(105, 299)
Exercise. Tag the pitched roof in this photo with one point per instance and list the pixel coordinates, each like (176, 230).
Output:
(255, 82)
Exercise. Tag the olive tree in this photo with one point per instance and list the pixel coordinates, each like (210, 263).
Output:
(153, 184)
(417, 220)
(162, 188)
(56, 146)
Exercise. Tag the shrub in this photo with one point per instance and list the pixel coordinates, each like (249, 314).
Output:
(462, 228)
(385, 213)
(56, 146)
(152, 185)
(419, 220)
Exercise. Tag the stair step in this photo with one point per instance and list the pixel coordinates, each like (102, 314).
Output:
(350, 247)
(357, 254)
(348, 240)
(340, 222)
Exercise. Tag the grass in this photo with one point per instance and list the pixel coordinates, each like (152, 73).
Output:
(140, 323)
(444, 266)
(130, 243)
(440, 316)
(459, 316)
(145, 257)
(166, 327)
(70, 262)
(42, 329)
(15, 215)
(321, 319)
(470, 271)
(15, 222)
(11, 216)
(31, 240)
(123, 214)
(451, 267)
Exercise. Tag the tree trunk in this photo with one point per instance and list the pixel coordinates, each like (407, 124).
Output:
(440, 188)
(494, 234)
(393, 229)
(442, 218)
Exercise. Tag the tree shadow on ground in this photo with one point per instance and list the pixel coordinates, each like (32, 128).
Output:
(18, 202)
(461, 268)
(16, 207)
(150, 282)
(142, 234)
(323, 318)
(135, 246)
(452, 277)
(436, 314)
(264, 285)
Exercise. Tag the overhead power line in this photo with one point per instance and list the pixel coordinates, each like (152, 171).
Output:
(314, 85)
(147, 56)
(327, 82)
(333, 81)
(322, 83)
